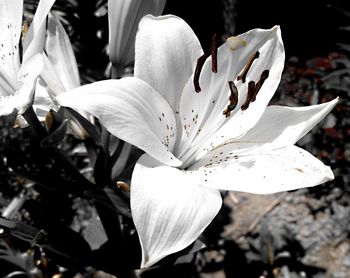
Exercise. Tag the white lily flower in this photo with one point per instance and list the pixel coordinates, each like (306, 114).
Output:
(123, 18)
(201, 132)
(17, 79)
(60, 74)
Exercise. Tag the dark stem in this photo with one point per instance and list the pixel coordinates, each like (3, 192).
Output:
(112, 226)
(105, 139)
(117, 71)
(33, 121)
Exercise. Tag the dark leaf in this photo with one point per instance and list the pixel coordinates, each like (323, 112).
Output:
(109, 198)
(91, 129)
(67, 247)
(56, 136)
(94, 233)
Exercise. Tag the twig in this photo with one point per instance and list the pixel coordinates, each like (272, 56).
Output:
(256, 221)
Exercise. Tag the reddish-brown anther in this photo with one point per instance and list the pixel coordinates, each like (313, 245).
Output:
(197, 72)
(250, 94)
(263, 77)
(233, 99)
(214, 52)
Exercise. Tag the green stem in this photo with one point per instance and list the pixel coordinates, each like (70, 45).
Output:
(33, 121)
(117, 71)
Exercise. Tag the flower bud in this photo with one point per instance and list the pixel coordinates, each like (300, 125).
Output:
(124, 17)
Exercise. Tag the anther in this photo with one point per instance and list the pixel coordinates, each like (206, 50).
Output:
(197, 72)
(250, 94)
(263, 77)
(233, 99)
(123, 185)
(214, 52)
(243, 75)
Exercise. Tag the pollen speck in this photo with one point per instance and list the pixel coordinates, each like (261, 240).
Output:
(299, 170)
(235, 42)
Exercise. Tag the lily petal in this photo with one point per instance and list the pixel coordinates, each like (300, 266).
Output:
(166, 45)
(23, 97)
(283, 126)
(267, 172)
(34, 40)
(207, 106)
(170, 208)
(131, 110)
(10, 30)
(123, 18)
(60, 62)
(43, 103)
(280, 126)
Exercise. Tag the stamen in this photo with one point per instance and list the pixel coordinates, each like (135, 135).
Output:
(250, 94)
(233, 99)
(243, 75)
(263, 77)
(25, 27)
(123, 185)
(49, 120)
(197, 72)
(214, 52)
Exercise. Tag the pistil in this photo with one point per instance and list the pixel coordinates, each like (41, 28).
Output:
(244, 73)
(233, 99)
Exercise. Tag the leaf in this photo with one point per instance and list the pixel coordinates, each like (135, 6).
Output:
(91, 129)
(110, 199)
(56, 136)
(67, 247)
(101, 174)
(94, 233)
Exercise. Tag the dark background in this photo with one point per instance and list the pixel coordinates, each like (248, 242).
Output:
(309, 27)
